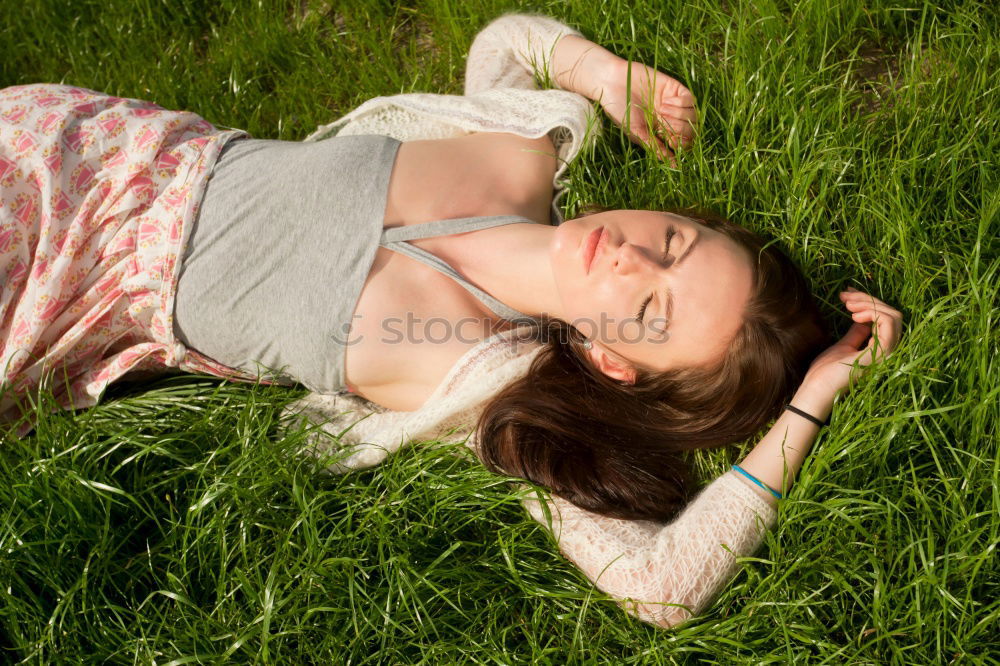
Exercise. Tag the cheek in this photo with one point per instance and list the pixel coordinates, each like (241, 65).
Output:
(560, 274)
(564, 261)
(560, 240)
(598, 310)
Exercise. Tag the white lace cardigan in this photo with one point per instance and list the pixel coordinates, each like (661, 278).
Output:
(660, 573)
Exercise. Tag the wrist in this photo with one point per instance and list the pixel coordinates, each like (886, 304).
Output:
(583, 67)
(814, 398)
(611, 73)
(777, 457)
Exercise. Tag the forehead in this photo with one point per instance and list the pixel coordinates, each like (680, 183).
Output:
(641, 217)
(710, 295)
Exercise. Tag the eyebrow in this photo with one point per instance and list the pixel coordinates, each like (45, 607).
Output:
(668, 299)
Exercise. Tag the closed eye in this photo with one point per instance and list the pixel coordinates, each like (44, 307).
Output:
(642, 311)
(666, 248)
(671, 231)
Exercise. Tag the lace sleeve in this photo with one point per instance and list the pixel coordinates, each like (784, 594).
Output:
(663, 574)
(508, 51)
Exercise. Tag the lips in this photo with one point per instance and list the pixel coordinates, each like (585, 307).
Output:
(590, 246)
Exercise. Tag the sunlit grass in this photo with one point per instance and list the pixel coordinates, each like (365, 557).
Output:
(176, 521)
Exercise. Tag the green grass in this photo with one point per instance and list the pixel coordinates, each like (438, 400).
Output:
(174, 523)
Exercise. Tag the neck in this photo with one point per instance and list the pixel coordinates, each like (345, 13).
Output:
(512, 264)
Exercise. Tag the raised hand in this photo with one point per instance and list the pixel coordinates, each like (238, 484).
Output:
(655, 109)
(875, 333)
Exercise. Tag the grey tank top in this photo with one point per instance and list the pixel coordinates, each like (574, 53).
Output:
(284, 238)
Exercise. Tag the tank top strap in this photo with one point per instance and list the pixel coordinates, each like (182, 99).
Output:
(437, 228)
(395, 238)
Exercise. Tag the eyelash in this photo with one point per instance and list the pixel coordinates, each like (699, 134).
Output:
(642, 311)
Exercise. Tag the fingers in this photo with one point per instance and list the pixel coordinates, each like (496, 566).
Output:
(660, 110)
(857, 301)
(683, 100)
(852, 295)
(660, 148)
(639, 131)
(862, 306)
(881, 331)
(677, 113)
(884, 322)
(674, 106)
(671, 92)
(676, 125)
(856, 335)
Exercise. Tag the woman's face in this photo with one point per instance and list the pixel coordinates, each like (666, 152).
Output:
(658, 290)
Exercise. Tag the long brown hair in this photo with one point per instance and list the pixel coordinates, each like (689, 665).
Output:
(617, 449)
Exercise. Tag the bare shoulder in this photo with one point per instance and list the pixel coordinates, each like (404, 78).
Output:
(518, 162)
(472, 175)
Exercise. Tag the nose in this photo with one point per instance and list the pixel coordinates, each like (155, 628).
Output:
(633, 259)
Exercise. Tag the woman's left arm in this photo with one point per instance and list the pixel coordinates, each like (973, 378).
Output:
(663, 573)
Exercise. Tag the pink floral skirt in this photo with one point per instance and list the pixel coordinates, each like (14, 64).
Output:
(97, 196)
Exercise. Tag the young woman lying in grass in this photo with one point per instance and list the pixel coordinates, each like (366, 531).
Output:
(412, 260)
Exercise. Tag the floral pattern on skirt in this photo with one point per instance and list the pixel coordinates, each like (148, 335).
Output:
(97, 195)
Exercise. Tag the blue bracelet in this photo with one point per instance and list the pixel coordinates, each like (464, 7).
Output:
(757, 481)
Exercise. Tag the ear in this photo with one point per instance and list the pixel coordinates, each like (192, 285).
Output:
(611, 364)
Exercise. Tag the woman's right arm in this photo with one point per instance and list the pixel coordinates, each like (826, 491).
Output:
(655, 109)
(510, 49)
(663, 574)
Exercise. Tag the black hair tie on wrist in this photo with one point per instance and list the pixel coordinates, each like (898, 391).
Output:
(809, 417)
